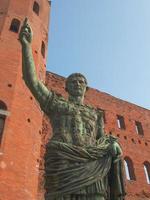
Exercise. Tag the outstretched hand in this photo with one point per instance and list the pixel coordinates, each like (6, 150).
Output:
(25, 35)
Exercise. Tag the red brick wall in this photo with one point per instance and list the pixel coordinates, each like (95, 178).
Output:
(21, 142)
(138, 150)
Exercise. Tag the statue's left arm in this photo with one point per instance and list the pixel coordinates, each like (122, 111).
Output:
(116, 150)
(100, 124)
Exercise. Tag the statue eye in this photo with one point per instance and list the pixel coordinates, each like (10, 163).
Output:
(81, 82)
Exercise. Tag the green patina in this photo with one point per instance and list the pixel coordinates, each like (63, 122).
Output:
(81, 161)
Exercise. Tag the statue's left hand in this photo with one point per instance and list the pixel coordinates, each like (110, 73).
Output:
(116, 149)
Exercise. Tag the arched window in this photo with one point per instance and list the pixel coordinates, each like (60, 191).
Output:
(36, 8)
(43, 49)
(139, 128)
(147, 171)
(121, 122)
(129, 169)
(15, 24)
(3, 114)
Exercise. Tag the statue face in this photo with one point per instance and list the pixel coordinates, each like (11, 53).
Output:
(76, 86)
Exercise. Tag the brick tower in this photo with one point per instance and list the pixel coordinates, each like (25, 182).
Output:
(20, 127)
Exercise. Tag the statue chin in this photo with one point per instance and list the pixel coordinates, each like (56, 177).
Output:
(77, 93)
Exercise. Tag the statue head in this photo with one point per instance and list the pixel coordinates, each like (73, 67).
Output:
(76, 85)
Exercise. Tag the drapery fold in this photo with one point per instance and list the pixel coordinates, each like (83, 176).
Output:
(69, 168)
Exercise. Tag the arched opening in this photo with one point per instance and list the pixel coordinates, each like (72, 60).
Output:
(43, 49)
(3, 109)
(15, 24)
(139, 128)
(147, 171)
(129, 169)
(121, 122)
(36, 8)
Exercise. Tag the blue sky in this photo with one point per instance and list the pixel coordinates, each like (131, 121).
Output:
(106, 40)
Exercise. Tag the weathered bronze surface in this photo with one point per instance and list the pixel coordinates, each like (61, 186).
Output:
(81, 162)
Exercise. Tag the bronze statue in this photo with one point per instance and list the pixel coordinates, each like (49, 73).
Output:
(81, 162)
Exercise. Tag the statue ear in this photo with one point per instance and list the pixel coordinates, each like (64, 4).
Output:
(87, 88)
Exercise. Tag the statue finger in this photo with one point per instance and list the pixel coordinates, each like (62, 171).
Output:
(25, 21)
(22, 37)
(29, 29)
(24, 34)
(23, 29)
(26, 24)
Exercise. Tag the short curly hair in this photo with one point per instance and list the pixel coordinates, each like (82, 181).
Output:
(74, 75)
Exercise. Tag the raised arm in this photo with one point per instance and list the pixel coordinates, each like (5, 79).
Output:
(37, 88)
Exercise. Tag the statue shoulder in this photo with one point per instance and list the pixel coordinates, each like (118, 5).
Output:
(55, 102)
(59, 97)
(99, 112)
(58, 100)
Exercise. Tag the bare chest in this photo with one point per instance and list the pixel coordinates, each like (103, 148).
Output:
(75, 123)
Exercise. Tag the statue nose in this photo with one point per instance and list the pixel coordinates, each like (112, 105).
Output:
(77, 83)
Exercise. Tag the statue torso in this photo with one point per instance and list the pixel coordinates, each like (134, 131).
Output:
(73, 123)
